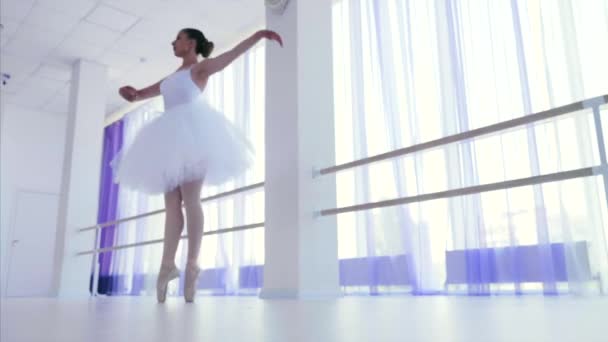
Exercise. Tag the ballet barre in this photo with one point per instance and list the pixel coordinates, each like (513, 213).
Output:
(157, 241)
(494, 128)
(97, 230)
(160, 211)
(477, 189)
(95, 268)
(599, 170)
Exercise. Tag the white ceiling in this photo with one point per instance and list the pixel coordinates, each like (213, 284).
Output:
(41, 39)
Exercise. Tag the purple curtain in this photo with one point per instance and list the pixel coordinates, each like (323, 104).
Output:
(108, 202)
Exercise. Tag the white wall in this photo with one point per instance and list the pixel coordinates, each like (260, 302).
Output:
(31, 159)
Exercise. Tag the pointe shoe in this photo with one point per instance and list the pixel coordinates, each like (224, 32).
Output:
(165, 275)
(192, 273)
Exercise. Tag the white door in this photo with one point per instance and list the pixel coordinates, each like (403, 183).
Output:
(32, 245)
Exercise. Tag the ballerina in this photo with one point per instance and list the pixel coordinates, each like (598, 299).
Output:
(190, 143)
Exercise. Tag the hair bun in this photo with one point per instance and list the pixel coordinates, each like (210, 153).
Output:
(207, 49)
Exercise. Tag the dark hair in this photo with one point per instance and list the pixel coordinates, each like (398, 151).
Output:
(203, 46)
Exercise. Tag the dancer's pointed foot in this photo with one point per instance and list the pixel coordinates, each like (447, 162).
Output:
(192, 272)
(165, 275)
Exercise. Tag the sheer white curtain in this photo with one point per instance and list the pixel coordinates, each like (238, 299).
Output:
(407, 72)
(231, 262)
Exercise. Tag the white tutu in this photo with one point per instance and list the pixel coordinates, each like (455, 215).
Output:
(188, 142)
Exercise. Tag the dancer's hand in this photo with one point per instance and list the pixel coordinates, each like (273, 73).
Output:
(128, 93)
(271, 35)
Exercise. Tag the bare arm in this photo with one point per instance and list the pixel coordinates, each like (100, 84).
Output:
(131, 94)
(151, 91)
(210, 66)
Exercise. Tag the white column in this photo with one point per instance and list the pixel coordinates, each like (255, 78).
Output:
(301, 249)
(80, 179)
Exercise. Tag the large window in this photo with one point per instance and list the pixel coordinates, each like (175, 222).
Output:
(408, 72)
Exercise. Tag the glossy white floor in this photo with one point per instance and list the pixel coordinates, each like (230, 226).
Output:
(349, 319)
